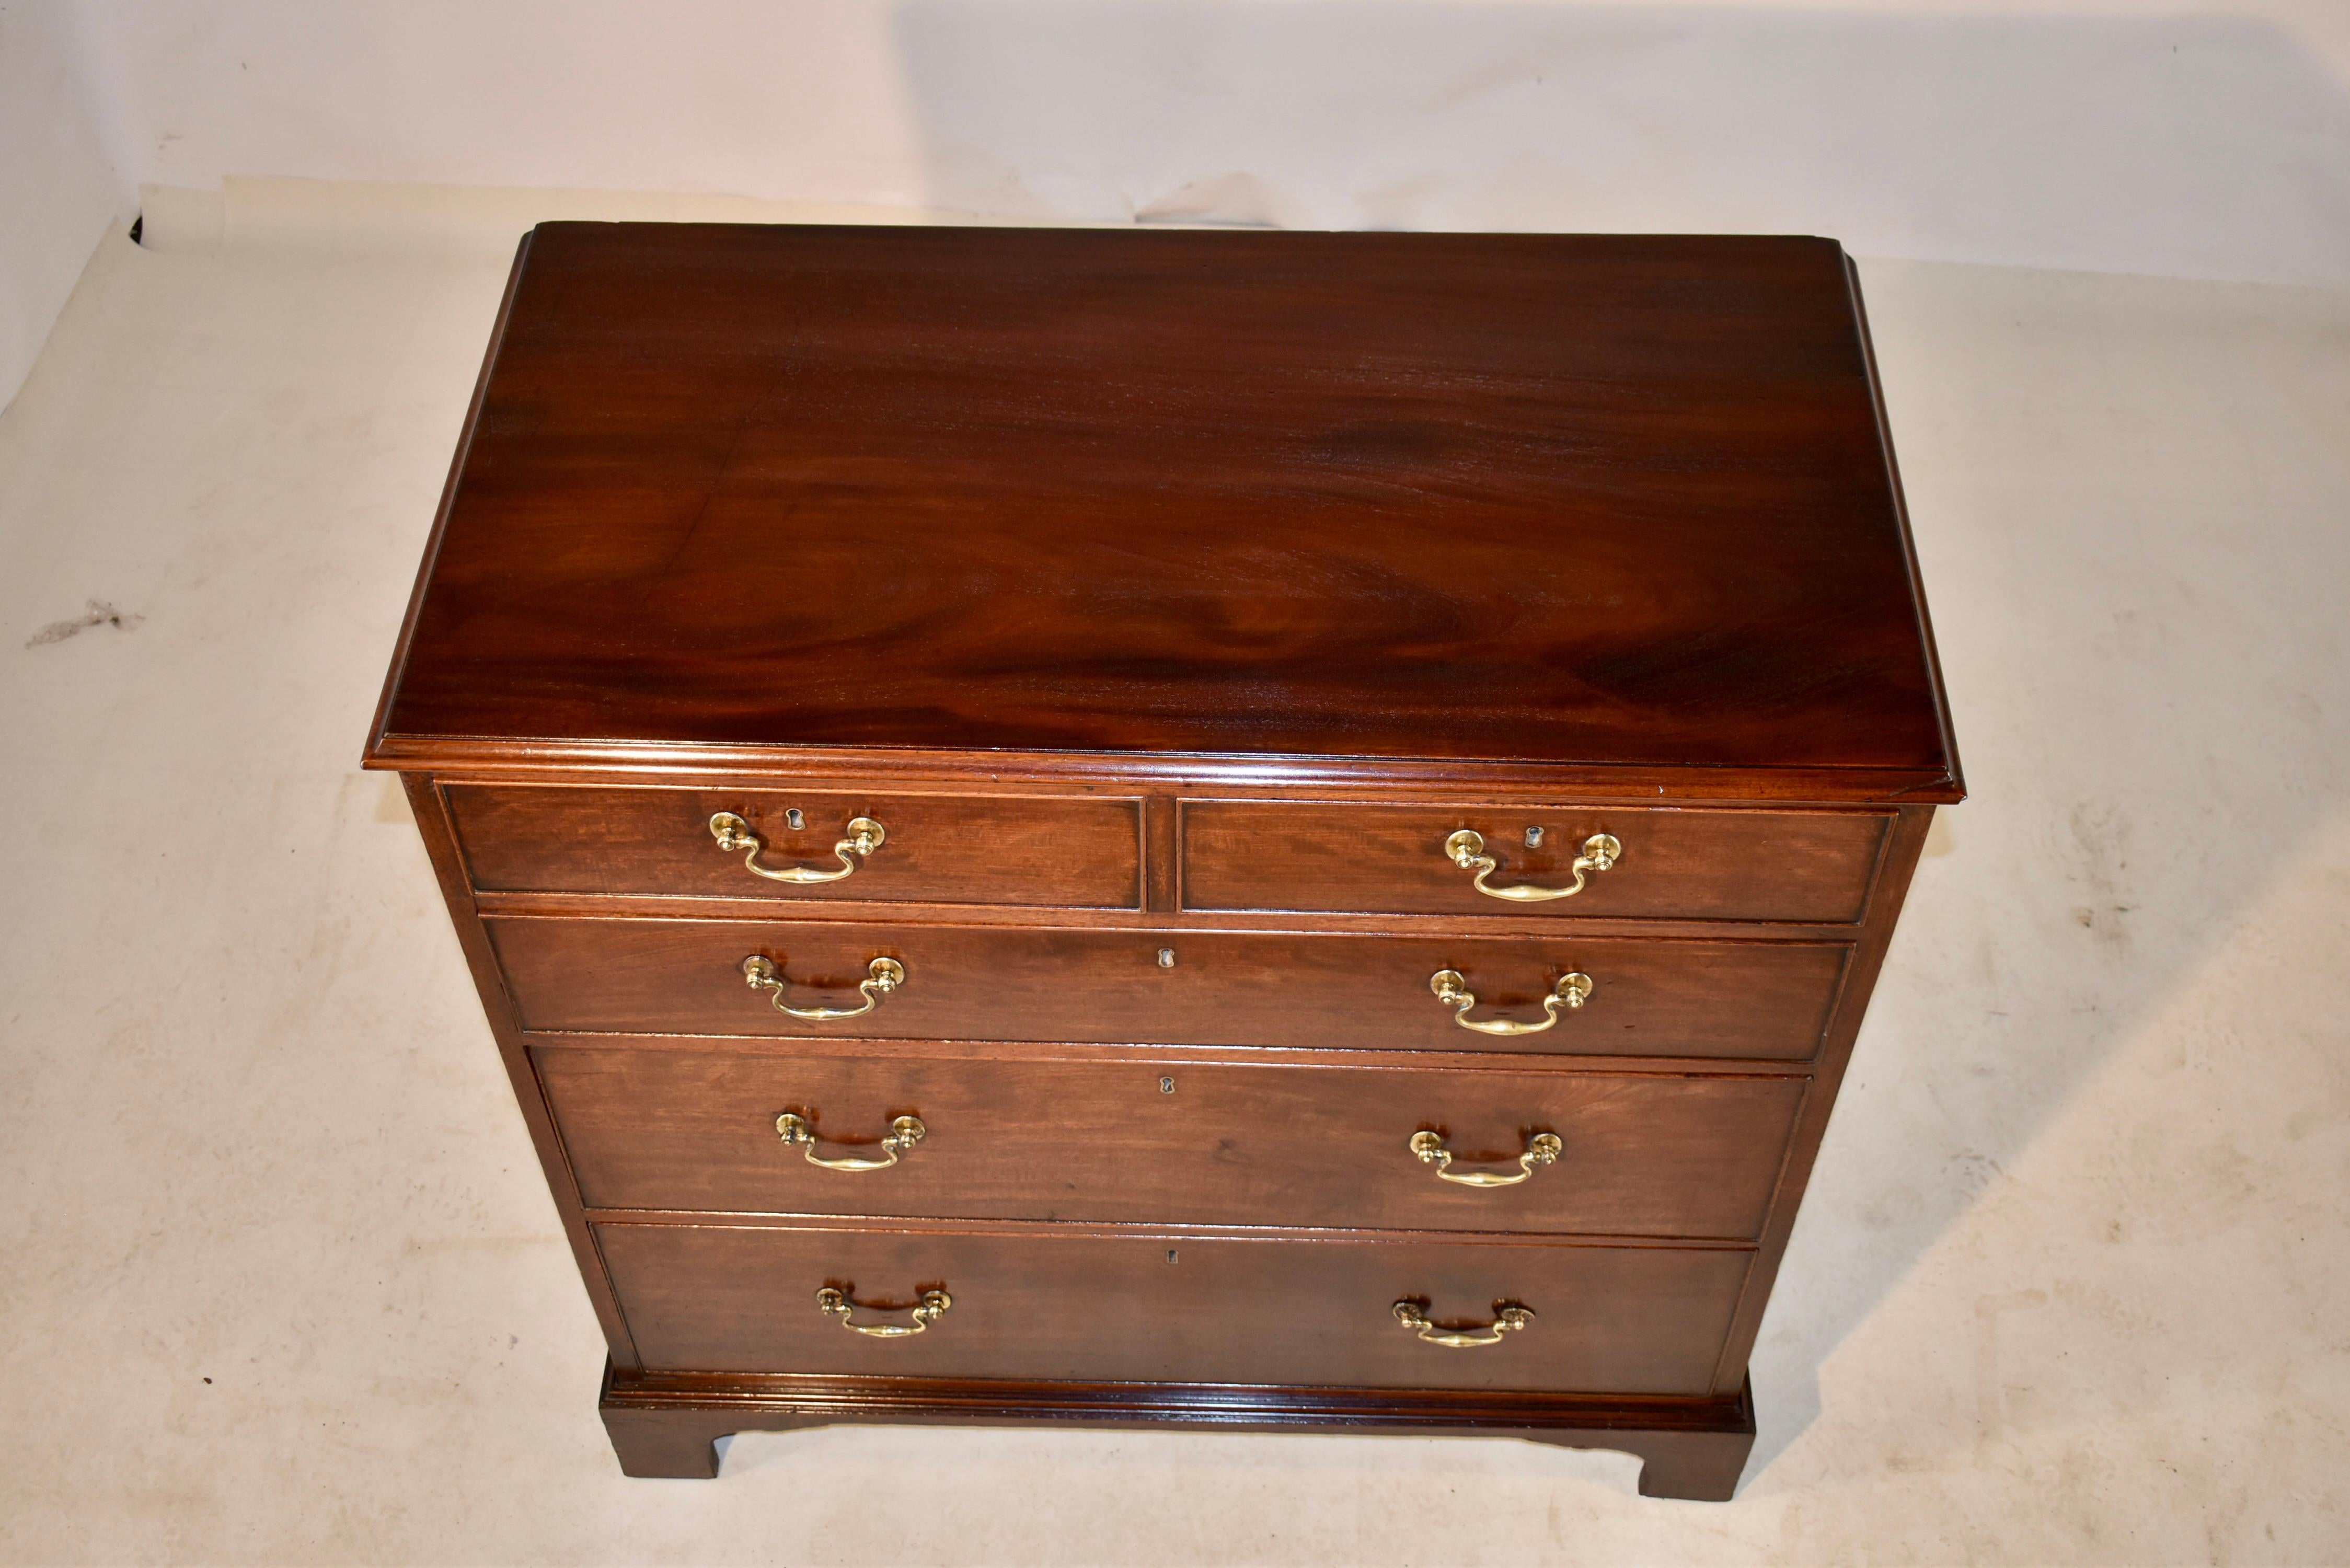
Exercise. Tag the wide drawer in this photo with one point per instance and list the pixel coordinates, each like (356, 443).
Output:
(1647, 996)
(1671, 865)
(1644, 1320)
(1060, 852)
(1174, 1143)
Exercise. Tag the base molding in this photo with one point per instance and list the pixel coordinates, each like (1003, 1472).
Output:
(667, 1424)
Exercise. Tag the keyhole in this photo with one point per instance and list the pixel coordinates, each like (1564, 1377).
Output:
(1166, 1086)
(1166, 958)
(793, 818)
(1171, 1254)
(1533, 837)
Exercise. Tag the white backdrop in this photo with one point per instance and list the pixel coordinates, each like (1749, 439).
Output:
(2201, 140)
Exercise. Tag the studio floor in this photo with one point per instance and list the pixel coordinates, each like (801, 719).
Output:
(282, 1282)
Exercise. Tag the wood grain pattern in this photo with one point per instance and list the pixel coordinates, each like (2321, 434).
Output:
(940, 849)
(1651, 997)
(1609, 501)
(1633, 1320)
(1172, 1142)
(1175, 592)
(1681, 865)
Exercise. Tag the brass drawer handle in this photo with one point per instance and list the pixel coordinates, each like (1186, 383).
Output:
(904, 1133)
(865, 837)
(1509, 1317)
(1466, 849)
(882, 976)
(1540, 1149)
(1574, 989)
(836, 1303)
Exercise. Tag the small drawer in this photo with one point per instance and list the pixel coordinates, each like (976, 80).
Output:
(1047, 852)
(1306, 857)
(1639, 996)
(1171, 1143)
(1097, 1307)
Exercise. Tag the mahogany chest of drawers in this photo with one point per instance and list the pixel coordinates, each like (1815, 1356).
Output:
(1220, 829)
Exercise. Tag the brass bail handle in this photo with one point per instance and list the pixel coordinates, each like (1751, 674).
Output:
(904, 1133)
(882, 976)
(1543, 1148)
(1509, 1317)
(836, 1303)
(1466, 849)
(1572, 989)
(865, 837)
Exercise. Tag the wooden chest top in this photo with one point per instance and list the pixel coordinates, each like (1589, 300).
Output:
(1589, 512)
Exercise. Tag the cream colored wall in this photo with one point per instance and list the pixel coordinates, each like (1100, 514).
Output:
(65, 176)
(2211, 140)
(2206, 141)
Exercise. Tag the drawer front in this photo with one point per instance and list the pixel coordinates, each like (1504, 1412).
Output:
(1671, 865)
(1647, 997)
(1177, 1308)
(1173, 1143)
(1057, 853)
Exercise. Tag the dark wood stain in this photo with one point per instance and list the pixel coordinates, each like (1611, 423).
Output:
(1170, 598)
(1173, 1141)
(1650, 998)
(1550, 498)
(1608, 1320)
(1681, 865)
(945, 850)
(667, 1424)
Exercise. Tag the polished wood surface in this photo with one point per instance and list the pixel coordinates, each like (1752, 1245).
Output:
(1650, 997)
(1595, 501)
(1175, 1142)
(1066, 853)
(1325, 857)
(667, 1424)
(1176, 1306)
(1170, 598)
